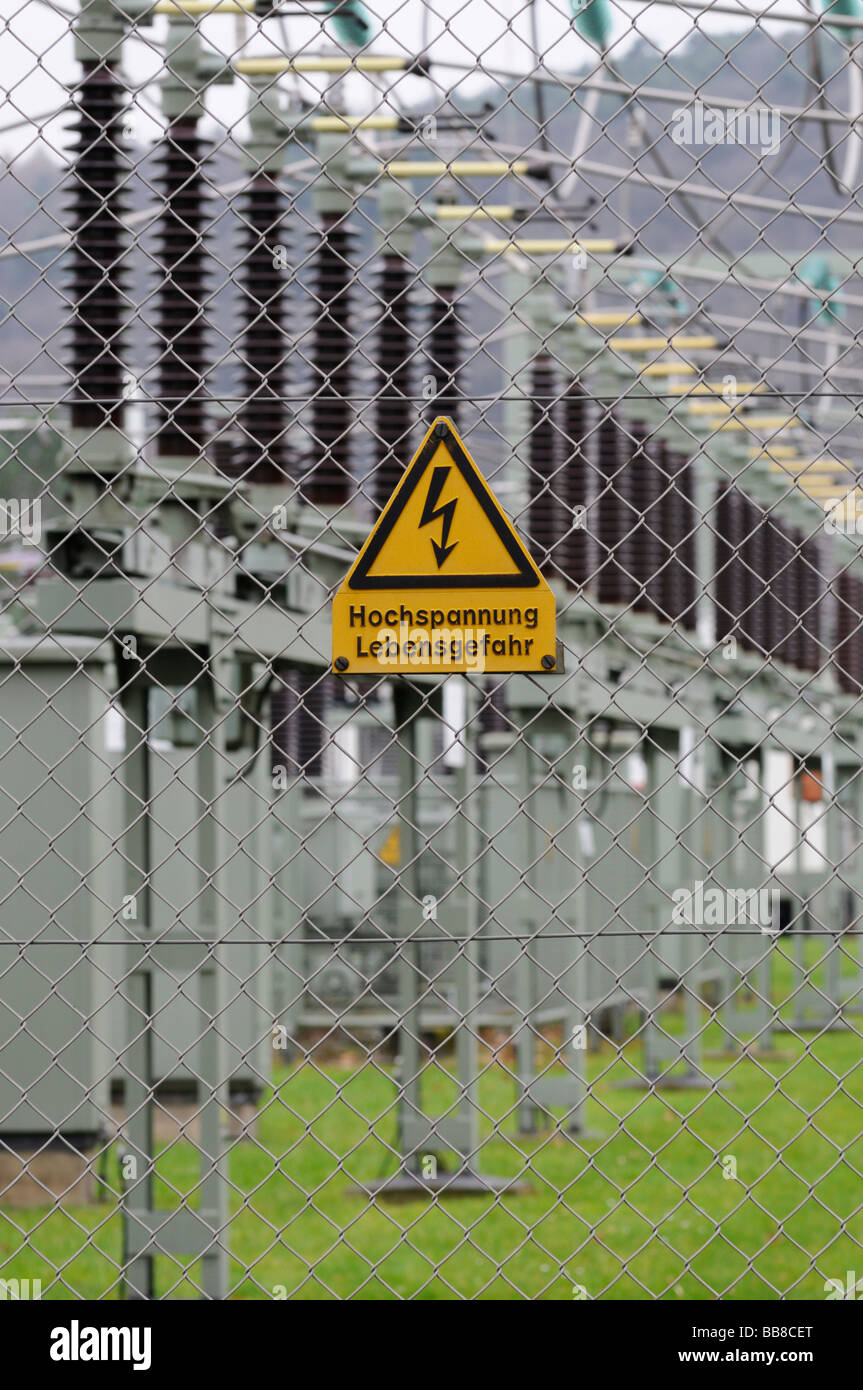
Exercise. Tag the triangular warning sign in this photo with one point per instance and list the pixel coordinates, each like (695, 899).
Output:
(443, 583)
(443, 528)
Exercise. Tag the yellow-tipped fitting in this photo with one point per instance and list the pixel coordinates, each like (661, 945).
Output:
(680, 344)
(465, 168)
(771, 421)
(709, 388)
(827, 487)
(461, 212)
(271, 67)
(335, 124)
(761, 422)
(668, 369)
(720, 407)
(537, 246)
(800, 468)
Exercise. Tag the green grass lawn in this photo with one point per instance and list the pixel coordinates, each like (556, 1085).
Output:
(642, 1209)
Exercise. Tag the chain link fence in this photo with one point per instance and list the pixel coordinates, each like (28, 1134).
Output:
(433, 983)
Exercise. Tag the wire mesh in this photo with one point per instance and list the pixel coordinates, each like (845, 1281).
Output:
(430, 984)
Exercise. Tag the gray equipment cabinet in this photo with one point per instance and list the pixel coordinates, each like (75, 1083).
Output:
(58, 879)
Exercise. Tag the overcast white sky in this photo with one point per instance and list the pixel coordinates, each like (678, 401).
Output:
(36, 59)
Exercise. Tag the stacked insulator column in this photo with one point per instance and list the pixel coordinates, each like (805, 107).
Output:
(444, 353)
(298, 712)
(393, 404)
(737, 537)
(727, 564)
(96, 210)
(180, 303)
(795, 645)
(315, 693)
(226, 452)
(769, 581)
(264, 453)
(284, 705)
(849, 638)
(614, 585)
(783, 609)
(811, 605)
(754, 619)
(545, 479)
(645, 501)
(576, 485)
(677, 584)
(329, 479)
(685, 480)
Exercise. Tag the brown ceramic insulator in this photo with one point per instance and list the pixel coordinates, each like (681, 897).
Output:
(645, 491)
(264, 456)
(181, 311)
(784, 611)
(752, 623)
(737, 537)
(284, 715)
(313, 700)
(445, 355)
(812, 606)
(795, 643)
(775, 610)
(769, 571)
(545, 479)
(665, 558)
(761, 610)
(614, 585)
(96, 211)
(724, 559)
(576, 472)
(225, 450)
(847, 590)
(685, 480)
(394, 408)
(676, 596)
(329, 479)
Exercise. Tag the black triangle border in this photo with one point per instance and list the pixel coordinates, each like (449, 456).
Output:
(443, 432)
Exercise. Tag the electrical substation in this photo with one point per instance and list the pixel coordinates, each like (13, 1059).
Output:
(439, 669)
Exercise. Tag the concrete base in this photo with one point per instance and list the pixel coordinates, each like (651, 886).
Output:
(43, 1177)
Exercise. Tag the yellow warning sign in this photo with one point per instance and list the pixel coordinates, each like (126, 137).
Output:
(443, 583)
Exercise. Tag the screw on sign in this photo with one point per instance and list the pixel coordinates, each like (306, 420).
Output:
(443, 584)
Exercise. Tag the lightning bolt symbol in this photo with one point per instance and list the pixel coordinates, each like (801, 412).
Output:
(431, 511)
